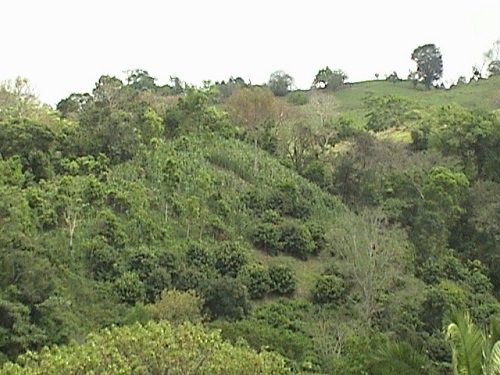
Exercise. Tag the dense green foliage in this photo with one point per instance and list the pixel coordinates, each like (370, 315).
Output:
(155, 348)
(335, 233)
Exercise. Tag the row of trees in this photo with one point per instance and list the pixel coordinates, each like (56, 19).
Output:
(429, 70)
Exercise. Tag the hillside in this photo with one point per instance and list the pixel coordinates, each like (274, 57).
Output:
(334, 234)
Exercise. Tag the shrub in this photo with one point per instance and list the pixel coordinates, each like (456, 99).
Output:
(317, 172)
(102, 260)
(177, 307)
(328, 289)
(266, 236)
(420, 138)
(230, 258)
(129, 288)
(142, 262)
(318, 237)
(155, 348)
(256, 278)
(288, 200)
(158, 280)
(295, 346)
(298, 98)
(283, 280)
(296, 240)
(227, 298)
(198, 256)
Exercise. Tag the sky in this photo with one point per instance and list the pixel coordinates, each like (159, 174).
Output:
(64, 46)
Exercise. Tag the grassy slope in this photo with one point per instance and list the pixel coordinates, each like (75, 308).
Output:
(349, 102)
(227, 167)
(483, 94)
(237, 172)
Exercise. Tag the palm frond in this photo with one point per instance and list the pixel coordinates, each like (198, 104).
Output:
(398, 358)
(467, 342)
(493, 361)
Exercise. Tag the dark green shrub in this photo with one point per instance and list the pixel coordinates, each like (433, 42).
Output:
(296, 240)
(387, 112)
(193, 278)
(109, 227)
(227, 298)
(328, 289)
(283, 280)
(198, 256)
(420, 138)
(157, 280)
(256, 278)
(142, 262)
(288, 200)
(229, 258)
(129, 288)
(318, 237)
(266, 236)
(317, 172)
(295, 346)
(102, 260)
(298, 98)
(286, 313)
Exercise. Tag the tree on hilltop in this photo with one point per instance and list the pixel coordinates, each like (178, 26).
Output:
(429, 64)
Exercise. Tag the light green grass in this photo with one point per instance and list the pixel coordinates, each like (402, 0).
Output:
(484, 94)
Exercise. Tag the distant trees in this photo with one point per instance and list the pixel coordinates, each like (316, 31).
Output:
(141, 80)
(280, 83)
(492, 58)
(328, 79)
(429, 64)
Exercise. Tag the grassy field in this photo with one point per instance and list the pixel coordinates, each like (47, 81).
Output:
(484, 94)
(349, 101)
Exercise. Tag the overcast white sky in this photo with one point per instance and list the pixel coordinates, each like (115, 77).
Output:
(63, 46)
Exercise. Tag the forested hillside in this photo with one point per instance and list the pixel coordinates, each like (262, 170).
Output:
(234, 229)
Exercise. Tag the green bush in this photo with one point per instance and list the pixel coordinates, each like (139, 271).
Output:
(158, 280)
(256, 278)
(298, 98)
(129, 288)
(155, 348)
(229, 258)
(198, 256)
(266, 236)
(318, 237)
(328, 289)
(317, 172)
(142, 262)
(295, 346)
(283, 280)
(227, 298)
(109, 227)
(296, 240)
(288, 200)
(420, 137)
(387, 112)
(102, 260)
(177, 307)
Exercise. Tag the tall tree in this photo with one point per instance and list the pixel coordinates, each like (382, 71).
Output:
(252, 108)
(280, 83)
(140, 80)
(429, 64)
(328, 79)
